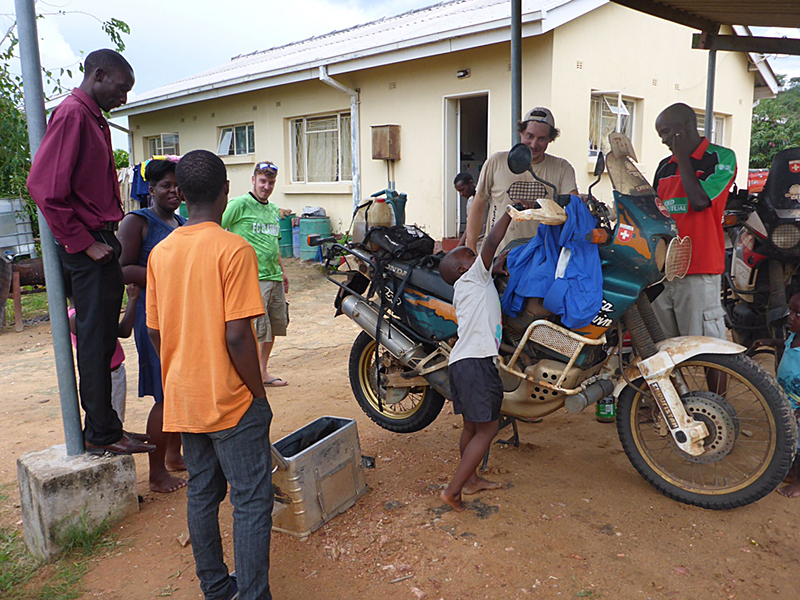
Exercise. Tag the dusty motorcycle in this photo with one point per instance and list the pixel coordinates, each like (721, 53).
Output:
(762, 267)
(700, 421)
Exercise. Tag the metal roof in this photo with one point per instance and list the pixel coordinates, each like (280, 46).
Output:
(707, 15)
(444, 27)
(448, 26)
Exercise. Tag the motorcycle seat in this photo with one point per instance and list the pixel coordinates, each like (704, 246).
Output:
(427, 279)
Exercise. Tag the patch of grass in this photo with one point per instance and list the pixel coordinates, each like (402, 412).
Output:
(16, 565)
(83, 537)
(22, 577)
(33, 305)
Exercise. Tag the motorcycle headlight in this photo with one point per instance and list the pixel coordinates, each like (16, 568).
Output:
(786, 236)
(661, 254)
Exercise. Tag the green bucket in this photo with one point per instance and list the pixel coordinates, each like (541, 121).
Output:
(285, 243)
(310, 226)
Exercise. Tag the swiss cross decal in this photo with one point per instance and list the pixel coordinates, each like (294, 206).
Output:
(794, 166)
(625, 233)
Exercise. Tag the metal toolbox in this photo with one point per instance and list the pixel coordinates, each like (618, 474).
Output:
(318, 475)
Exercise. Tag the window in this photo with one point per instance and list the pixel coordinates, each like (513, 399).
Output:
(609, 112)
(321, 149)
(237, 140)
(159, 145)
(717, 127)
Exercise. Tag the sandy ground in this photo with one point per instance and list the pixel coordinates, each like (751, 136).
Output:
(574, 519)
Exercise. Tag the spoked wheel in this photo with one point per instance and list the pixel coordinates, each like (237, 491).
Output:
(403, 410)
(751, 442)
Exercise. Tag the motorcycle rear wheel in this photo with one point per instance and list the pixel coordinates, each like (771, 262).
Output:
(752, 441)
(416, 411)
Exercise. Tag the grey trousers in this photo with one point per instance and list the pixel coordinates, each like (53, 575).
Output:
(239, 456)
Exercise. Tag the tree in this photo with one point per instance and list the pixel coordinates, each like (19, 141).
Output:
(15, 155)
(121, 159)
(776, 124)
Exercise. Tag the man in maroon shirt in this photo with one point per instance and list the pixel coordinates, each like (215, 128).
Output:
(74, 183)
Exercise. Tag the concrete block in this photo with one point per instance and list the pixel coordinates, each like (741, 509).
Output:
(57, 490)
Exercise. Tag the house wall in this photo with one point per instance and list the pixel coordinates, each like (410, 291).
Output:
(619, 49)
(646, 58)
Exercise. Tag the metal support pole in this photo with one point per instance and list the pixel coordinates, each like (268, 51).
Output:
(56, 299)
(711, 80)
(516, 68)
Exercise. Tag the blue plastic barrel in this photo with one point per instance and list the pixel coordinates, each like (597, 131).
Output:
(310, 226)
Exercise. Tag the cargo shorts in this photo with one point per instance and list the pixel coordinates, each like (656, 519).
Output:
(692, 306)
(276, 311)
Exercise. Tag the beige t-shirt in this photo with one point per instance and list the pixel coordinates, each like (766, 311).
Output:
(496, 178)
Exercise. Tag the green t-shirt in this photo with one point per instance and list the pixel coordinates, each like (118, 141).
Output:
(259, 224)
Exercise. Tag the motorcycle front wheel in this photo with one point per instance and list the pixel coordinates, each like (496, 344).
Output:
(752, 434)
(419, 407)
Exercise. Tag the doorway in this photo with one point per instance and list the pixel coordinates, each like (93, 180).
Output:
(466, 149)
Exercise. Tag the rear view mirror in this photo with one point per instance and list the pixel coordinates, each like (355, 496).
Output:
(600, 165)
(519, 159)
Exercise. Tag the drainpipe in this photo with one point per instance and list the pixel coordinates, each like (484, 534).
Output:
(130, 139)
(710, 83)
(355, 145)
(56, 299)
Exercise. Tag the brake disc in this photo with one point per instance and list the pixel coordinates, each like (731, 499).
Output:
(720, 419)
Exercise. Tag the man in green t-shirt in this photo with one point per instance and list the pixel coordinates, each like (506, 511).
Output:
(257, 220)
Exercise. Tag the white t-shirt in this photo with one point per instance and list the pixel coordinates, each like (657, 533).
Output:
(478, 314)
(496, 178)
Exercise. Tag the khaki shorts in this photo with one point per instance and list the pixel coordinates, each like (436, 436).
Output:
(276, 318)
(692, 306)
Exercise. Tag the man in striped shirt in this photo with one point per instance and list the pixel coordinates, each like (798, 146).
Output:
(693, 183)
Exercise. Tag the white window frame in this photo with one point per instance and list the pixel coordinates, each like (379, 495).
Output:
(159, 142)
(717, 128)
(248, 128)
(343, 177)
(616, 103)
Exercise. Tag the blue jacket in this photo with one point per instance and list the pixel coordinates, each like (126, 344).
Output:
(576, 296)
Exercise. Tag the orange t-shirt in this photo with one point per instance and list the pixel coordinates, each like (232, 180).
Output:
(198, 278)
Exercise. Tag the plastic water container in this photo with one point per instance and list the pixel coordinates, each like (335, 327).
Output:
(285, 243)
(296, 240)
(372, 213)
(310, 226)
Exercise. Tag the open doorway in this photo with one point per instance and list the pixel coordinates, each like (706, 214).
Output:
(466, 149)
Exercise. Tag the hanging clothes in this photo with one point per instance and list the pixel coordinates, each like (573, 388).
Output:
(560, 266)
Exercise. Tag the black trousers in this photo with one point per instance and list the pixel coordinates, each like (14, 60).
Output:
(97, 294)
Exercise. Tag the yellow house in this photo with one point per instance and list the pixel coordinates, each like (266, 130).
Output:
(443, 75)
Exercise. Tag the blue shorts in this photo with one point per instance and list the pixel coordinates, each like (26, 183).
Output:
(477, 389)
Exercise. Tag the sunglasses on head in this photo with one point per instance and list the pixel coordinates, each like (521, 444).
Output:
(268, 167)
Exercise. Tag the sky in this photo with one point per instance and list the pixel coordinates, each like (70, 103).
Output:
(174, 39)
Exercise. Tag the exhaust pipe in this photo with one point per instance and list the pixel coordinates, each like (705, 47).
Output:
(395, 341)
(593, 393)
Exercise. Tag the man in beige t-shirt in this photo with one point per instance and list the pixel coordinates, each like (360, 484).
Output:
(537, 130)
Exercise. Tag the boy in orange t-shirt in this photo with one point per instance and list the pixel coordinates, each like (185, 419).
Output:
(202, 292)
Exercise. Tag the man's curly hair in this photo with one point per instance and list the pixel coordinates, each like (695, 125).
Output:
(201, 177)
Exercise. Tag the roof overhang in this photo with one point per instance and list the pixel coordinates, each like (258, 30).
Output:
(496, 31)
(708, 15)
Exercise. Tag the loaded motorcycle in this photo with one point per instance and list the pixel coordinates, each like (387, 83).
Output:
(762, 266)
(700, 421)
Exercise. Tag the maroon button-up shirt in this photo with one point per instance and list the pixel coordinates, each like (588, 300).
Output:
(73, 180)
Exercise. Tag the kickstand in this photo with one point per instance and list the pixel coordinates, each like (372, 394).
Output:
(505, 421)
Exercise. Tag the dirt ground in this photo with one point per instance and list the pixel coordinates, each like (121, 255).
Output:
(574, 519)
